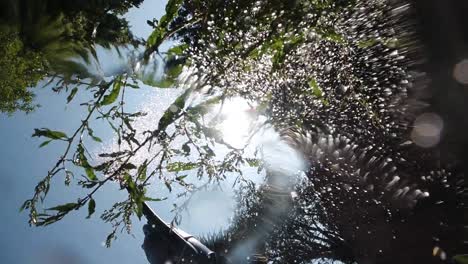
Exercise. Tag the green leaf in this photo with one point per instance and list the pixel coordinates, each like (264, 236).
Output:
(174, 111)
(137, 195)
(253, 162)
(44, 221)
(367, 43)
(44, 132)
(64, 207)
(172, 71)
(139, 208)
(335, 37)
(172, 7)
(90, 173)
(181, 166)
(129, 166)
(83, 162)
(91, 207)
(97, 139)
(142, 172)
(316, 91)
(155, 39)
(110, 237)
(461, 259)
(103, 166)
(45, 143)
(177, 50)
(89, 185)
(26, 205)
(159, 33)
(331, 35)
(114, 94)
(72, 94)
(130, 184)
(113, 154)
(154, 199)
(91, 134)
(180, 178)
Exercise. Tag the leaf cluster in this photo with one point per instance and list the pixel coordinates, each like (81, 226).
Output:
(41, 39)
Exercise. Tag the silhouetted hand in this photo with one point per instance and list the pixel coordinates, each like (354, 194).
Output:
(156, 247)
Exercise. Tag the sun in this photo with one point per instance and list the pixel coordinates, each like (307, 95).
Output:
(237, 119)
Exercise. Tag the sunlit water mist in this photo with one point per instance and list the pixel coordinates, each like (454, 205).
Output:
(237, 126)
(241, 124)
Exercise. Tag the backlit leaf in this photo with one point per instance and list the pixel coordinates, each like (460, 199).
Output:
(174, 111)
(316, 91)
(45, 143)
(44, 132)
(72, 94)
(91, 207)
(180, 166)
(114, 94)
(461, 259)
(64, 207)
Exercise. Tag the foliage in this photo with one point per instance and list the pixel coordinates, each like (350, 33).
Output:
(42, 39)
(19, 70)
(93, 22)
(462, 259)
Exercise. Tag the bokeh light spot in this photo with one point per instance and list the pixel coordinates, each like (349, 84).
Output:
(460, 72)
(427, 130)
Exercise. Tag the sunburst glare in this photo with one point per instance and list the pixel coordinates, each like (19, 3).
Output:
(238, 118)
